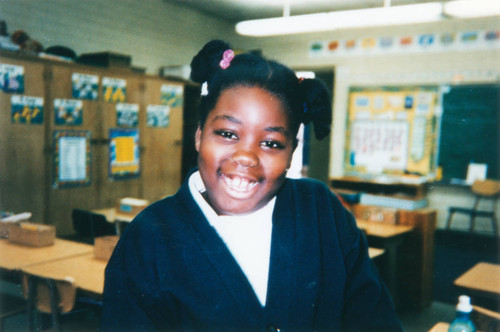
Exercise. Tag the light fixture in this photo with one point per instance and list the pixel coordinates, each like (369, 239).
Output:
(369, 17)
(472, 8)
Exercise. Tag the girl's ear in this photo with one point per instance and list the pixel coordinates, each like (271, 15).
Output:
(197, 139)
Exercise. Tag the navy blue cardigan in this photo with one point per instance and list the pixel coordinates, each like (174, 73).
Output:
(171, 271)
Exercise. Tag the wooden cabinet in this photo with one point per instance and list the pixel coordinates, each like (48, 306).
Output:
(27, 150)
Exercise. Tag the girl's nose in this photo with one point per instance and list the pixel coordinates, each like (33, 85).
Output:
(246, 158)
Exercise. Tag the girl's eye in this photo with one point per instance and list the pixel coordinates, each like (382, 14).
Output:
(273, 145)
(226, 134)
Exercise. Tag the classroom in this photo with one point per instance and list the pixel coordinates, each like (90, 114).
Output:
(101, 117)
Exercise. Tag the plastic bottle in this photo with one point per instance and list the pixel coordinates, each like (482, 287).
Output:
(462, 322)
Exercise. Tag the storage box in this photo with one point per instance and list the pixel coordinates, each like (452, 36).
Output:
(131, 206)
(105, 59)
(104, 246)
(5, 227)
(32, 234)
(376, 213)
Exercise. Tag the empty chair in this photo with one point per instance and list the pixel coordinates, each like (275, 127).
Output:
(47, 295)
(90, 225)
(483, 190)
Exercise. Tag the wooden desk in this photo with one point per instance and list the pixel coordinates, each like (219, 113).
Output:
(14, 256)
(483, 278)
(382, 230)
(115, 217)
(440, 327)
(112, 216)
(389, 237)
(86, 271)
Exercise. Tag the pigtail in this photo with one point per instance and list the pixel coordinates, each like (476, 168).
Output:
(207, 62)
(317, 106)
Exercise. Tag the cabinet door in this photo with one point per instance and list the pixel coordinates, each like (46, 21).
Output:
(22, 148)
(162, 146)
(112, 188)
(62, 200)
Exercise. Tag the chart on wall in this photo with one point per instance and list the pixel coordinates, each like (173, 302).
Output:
(392, 130)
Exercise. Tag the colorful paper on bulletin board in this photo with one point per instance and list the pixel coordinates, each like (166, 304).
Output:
(172, 95)
(124, 159)
(72, 158)
(158, 116)
(11, 78)
(26, 109)
(85, 86)
(127, 115)
(392, 130)
(114, 90)
(68, 112)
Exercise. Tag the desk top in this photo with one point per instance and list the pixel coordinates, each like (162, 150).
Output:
(15, 256)
(383, 230)
(113, 216)
(440, 327)
(484, 277)
(86, 271)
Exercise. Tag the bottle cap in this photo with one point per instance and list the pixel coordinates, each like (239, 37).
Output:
(464, 304)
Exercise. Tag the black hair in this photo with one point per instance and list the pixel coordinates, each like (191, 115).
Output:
(303, 100)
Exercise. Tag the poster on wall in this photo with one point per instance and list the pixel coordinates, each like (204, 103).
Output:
(71, 158)
(172, 95)
(127, 115)
(26, 110)
(11, 78)
(85, 86)
(68, 112)
(124, 162)
(114, 90)
(158, 116)
(392, 131)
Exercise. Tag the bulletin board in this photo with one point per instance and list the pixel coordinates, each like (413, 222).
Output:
(392, 130)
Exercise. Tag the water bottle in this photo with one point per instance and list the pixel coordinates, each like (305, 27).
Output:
(462, 322)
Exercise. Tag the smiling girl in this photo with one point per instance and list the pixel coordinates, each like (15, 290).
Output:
(240, 247)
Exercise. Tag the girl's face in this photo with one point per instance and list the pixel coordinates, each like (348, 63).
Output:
(245, 148)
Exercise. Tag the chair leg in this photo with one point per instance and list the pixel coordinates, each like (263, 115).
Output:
(448, 222)
(54, 307)
(31, 304)
(472, 222)
(494, 224)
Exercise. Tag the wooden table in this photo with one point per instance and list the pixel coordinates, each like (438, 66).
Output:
(114, 217)
(390, 237)
(440, 327)
(483, 278)
(86, 271)
(15, 256)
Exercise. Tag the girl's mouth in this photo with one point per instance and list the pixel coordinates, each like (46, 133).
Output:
(239, 185)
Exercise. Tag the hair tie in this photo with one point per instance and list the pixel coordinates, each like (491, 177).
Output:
(227, 57)
(204, 89)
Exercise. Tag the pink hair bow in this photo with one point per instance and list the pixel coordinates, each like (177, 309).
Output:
(227, 57)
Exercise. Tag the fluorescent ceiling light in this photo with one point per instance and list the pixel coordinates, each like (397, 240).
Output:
(472, 8)
(370, 17)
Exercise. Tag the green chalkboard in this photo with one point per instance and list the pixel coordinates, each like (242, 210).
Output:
(470, 130)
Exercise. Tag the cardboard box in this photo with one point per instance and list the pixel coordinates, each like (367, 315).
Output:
(8, 219)
(32, 234)
(5, 228)
(104, 246)
(376, 213)
(131, 206)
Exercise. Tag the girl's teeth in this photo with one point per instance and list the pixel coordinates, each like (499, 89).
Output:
(240, 184)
